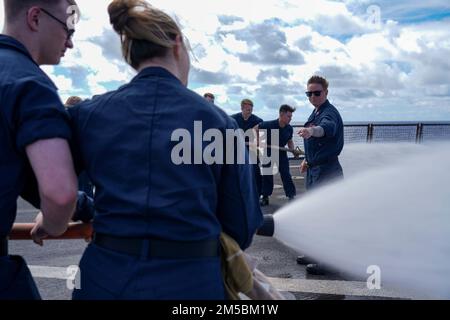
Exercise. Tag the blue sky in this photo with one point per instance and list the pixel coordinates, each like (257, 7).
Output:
(385, 60)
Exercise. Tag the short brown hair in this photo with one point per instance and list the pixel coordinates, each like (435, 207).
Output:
(13, 8)
(319, 80)
(208, 95)
(286, 108)
(247, 101)
(73, 100)
(145, 31)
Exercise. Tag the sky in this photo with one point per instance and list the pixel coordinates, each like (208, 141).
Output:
(385, 60)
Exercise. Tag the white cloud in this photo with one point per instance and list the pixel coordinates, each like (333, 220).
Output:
(2, 15)
(65, 84)
(230, 43)
(267, 49)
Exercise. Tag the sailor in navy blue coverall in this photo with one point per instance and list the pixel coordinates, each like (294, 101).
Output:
(84, 184)
(285, 132)
(157, 223)
(246, 120)
(34, 129)
(323, 137)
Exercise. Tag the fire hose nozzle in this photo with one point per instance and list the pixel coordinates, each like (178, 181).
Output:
(268, 227)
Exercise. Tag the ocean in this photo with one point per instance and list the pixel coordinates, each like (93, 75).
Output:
(389, 132)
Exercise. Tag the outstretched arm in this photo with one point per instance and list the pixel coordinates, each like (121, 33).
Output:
(52, 165)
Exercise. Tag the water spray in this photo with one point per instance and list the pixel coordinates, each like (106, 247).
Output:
(394, 217)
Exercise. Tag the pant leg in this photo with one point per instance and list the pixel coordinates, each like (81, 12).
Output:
(267, 183)
(258, 178)
(286, 178)
(334, 172)
(104, 274)
(108, 275)
(311, 177)
(92, 291)
(323, 174)
(16, 281)
(177, 279)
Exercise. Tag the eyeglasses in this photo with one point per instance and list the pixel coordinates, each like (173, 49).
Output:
(310, 93)
(69, 32)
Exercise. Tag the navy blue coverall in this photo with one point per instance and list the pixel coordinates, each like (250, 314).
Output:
(245, 125)
(322, 153)
(30, 110)
(124, 142)
(285, 134)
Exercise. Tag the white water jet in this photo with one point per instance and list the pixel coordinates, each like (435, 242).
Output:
(392, 211)
(359, 158)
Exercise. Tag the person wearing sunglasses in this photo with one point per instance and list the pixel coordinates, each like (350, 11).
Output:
(323, 136)
(35, 158)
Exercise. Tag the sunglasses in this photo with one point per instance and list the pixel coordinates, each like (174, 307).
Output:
(310, 93)
(69, 32)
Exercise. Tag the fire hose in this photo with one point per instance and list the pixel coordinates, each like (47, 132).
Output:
(76, 230)
(22, 231)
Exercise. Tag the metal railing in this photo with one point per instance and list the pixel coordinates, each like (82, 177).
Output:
(379, 132)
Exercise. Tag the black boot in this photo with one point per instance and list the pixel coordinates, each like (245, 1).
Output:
(264, 201)
(316, 269)
(304, 260)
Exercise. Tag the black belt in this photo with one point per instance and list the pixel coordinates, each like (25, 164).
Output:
(3, 246)
(322, 162)
(159, 248)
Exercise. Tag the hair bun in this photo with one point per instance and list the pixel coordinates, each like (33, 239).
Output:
(119, 13)
(145, 31)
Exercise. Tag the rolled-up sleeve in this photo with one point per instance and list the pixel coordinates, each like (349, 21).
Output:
(329, 125)
(39, 113)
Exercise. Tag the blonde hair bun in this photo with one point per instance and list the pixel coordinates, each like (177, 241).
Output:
(122, 11)
(145, 31)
